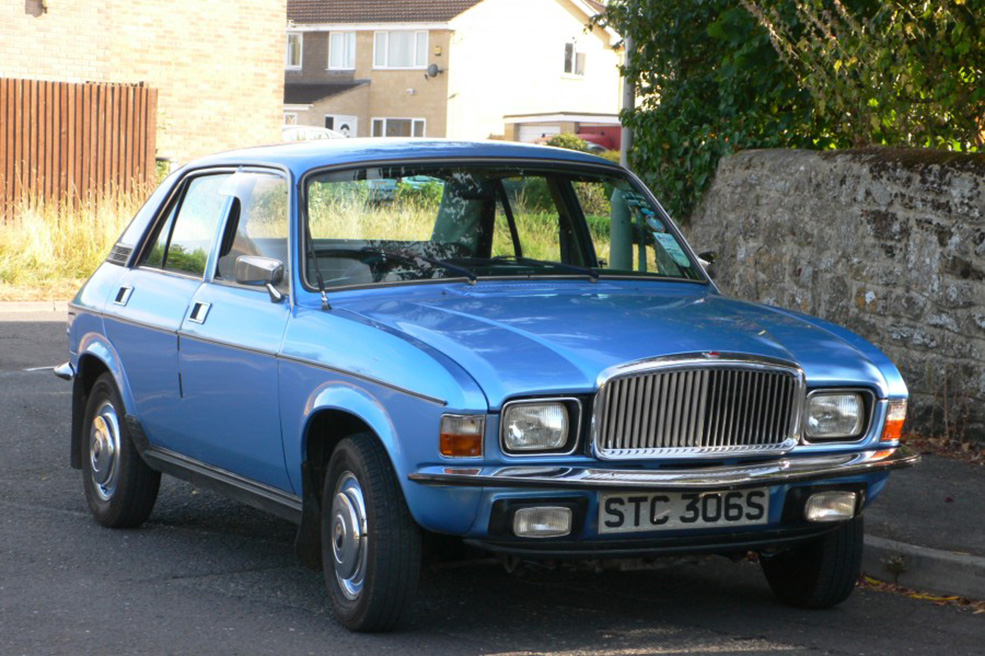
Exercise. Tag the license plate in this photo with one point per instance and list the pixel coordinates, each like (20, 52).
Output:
(629, 512)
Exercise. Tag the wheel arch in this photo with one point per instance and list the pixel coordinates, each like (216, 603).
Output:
(337, 412)
(96, 357)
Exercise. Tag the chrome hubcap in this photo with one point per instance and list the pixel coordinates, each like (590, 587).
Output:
(104, 451)
(348, 535)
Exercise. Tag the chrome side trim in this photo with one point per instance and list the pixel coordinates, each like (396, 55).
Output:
(368, 379)
(257, 494)
(772, 472)
(286, 358)
(65, 371)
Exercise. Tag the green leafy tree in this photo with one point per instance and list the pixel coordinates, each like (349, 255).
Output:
(569, 141)
(717, 76)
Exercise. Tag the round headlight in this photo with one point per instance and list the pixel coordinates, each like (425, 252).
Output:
(834, 415)
(535, 426)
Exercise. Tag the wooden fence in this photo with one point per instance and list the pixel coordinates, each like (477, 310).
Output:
(62, 141)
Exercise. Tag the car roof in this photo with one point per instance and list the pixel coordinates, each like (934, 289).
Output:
(306, 155)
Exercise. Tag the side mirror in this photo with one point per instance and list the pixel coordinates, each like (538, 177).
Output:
(261, 272)
(707, 260)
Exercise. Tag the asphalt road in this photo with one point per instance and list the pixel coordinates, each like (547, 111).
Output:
(207, 575)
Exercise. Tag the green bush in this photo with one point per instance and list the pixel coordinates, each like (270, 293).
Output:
(718, 76)
(569, 141)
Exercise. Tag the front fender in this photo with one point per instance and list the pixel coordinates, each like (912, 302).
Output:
(407, 427)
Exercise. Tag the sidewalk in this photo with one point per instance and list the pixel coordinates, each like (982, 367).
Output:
(926, 531)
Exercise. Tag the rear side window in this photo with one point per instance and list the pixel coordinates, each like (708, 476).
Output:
(184, 240)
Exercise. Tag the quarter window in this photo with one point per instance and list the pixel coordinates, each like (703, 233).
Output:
(400, 49)
(258, 221)
(184, 241)
(341, 50)
(295, 41)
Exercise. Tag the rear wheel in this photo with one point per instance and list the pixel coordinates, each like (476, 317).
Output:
(119, 486)
(820, 573)
(371, 546)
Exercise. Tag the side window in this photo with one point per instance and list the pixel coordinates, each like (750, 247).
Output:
(184, 240)
(258, 221)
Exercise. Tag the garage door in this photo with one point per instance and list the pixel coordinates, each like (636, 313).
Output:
(529, 133)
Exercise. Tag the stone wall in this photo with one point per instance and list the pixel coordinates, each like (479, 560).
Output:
(220, 82)
(889, 243)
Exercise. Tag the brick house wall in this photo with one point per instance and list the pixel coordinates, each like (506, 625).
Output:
(220, 77)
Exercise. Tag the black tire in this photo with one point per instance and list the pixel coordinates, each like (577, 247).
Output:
(821, 573)
(119, 486)
(371, 580)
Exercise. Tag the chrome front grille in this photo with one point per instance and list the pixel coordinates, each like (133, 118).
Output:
(698, 409)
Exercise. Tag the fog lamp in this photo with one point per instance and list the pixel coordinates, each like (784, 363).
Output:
(832, 506)
(542, 522)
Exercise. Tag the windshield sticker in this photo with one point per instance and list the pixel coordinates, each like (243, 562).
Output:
(672, 247)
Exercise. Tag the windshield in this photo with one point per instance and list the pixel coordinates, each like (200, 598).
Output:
(395, 224)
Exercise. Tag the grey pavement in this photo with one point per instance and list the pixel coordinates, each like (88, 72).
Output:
(926, 530)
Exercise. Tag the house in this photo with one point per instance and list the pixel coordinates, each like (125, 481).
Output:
(218, 74)
(462, 69)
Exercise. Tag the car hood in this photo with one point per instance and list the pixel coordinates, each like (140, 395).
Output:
(530, 339)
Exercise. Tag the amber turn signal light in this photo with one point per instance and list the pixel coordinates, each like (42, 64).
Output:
(461, 436)
(895, 416)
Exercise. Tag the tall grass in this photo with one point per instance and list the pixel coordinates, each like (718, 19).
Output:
(48, 249)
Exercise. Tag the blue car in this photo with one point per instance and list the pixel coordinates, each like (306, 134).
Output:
(518, 350)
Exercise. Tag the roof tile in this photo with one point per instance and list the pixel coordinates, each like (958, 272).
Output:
(375, 11)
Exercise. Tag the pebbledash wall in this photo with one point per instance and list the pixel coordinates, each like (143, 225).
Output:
(218, 67)
(889, 243)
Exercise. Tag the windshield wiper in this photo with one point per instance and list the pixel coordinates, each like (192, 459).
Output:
(564, 266)
(408, 256)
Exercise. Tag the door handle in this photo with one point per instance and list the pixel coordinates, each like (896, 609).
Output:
(122, 295)
(199, 312)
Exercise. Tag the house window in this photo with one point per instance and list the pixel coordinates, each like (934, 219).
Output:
(574, 61)
(398, 127)
(293, 59)
(341, 51)
(290, 118)
(400, 50)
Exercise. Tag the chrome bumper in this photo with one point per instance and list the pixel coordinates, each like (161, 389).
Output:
(65, 371)
(772, 472)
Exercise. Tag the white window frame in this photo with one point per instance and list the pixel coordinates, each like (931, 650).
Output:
(385, 53)
(348, 51)
(575, 54)
(287, 52)
(413, 121)
(290, 118)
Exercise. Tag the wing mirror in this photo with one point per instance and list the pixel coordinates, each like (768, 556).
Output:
(707, 260)
(261, 272)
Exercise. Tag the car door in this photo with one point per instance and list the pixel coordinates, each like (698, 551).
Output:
(231, 337)
(147, 309)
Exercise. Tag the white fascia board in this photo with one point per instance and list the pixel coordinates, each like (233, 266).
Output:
(608, 119)
(367, 27)
(589, 13)
(297, 108)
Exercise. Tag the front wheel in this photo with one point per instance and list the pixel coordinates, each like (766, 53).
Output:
(371, 546)
(820, 573)
(119, 486)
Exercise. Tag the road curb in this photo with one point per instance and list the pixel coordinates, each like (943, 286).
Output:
(23, 307)
(923, 568)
